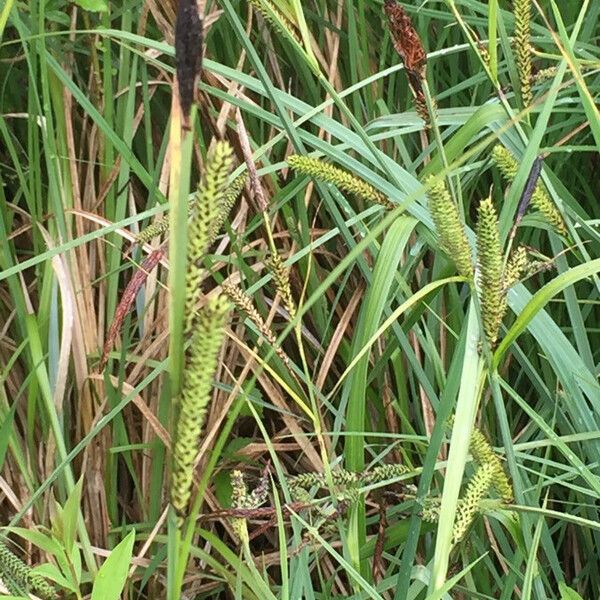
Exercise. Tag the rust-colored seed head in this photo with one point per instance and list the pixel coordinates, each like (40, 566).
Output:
(188, 53)
(406, 39)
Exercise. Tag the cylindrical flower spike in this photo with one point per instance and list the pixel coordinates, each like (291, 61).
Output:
(449, 227)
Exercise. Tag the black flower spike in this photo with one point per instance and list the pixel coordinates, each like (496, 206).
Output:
(188, 54)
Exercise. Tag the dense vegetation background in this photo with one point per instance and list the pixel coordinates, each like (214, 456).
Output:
(342, 363)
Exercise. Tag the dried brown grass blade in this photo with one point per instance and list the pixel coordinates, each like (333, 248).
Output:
(127, 299)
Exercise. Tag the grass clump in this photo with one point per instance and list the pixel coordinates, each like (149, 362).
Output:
(360, 330)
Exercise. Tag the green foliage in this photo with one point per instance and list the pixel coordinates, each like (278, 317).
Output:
(112, 576)
(353, 340)
(93, 5)
(567, 593)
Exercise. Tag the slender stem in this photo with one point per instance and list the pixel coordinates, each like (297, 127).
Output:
(181, 146)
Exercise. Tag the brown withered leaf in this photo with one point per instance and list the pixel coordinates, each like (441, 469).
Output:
(127, 299)
(378, 562)
(406, 39)
(188, 54)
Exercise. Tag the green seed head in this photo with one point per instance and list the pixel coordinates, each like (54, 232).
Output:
(449, 227)
(489, 258)
(344, 180)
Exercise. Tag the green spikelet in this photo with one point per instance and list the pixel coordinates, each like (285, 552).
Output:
(540, 199)
(306, 480)
(154, 230)
(273, 15)
(449, 227)
(383, 473)
(522, 47)
(201, 363)
(281, 277)
(239, 499)
(505, 162)
(484, 454)
(226, 203)
(206, 212)
(545, 74)
(516, 266)
(319, 169)
(489, 255)
(18, 576)
(469, 506)
(431, 509)
(244, 303)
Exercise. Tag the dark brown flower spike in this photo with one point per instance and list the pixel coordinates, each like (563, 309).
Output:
(188, 54)
(406, 39)
(410, 48)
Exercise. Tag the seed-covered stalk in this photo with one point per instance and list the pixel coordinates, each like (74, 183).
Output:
(468, 508)
(483, 453)
(18, 576)
(408, 45)
(489, 257)
(522, 47)
(516, 266)
(540, 198)
(242, 499)
(275, 17)
(244, 303)
(324, 171)
(200, 367)
(202, 225)
(239, 499)
(449, 227)
(228, 199)
(226, 202)
(281, 278)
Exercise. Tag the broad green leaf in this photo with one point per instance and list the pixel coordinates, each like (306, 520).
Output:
(540, 299)
(375, 302)
(93, 5)
(70, 515)
(471, 382)
(111, 577)
(39, 539)
(76, 563)
(567, 593)
(53, 573)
